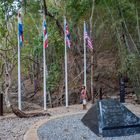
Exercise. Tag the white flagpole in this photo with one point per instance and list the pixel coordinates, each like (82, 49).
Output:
(19, 76)
(44, 70)
(44, 62)
(66, 75)
(85, 82)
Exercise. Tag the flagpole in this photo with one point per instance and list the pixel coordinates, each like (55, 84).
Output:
(66, 75)
(85, 82)
(19, 76)
(44, 71)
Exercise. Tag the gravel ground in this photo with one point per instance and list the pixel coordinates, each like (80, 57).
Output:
(71, 128)
(15, 128)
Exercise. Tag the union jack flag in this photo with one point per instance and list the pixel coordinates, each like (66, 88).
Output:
(20, 30)
(67, 35)
(45, 35)
(88, 39)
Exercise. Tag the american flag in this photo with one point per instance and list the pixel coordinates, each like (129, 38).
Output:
(67, 36)
(45, 35)
(20, 30)
(88, 40)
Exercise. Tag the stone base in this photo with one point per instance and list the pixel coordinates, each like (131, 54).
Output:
(109, 118)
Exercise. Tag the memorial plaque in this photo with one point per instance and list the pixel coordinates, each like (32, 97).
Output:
(122, 90)
(110, 118)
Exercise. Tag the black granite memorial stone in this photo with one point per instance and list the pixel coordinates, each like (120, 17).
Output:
(109, 118)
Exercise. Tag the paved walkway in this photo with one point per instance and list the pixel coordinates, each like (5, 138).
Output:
(62, 112)
(56, 113)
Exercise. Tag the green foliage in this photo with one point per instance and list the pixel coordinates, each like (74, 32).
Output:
(107, 33)
(54, 77)
(131, 67)
(2, 21)
(33, 42)
(78, 10)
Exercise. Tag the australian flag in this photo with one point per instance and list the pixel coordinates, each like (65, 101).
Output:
(20, 30)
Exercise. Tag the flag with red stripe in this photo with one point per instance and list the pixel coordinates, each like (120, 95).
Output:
(67, 35)
(88, 39)
(45, 34)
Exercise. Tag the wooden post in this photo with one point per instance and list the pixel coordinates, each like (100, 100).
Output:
(1, 104)
(100, 93)
(92, 75)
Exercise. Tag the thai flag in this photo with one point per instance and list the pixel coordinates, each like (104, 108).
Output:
(20, 30)
(88, 39)
(67, 35)
(45, 35)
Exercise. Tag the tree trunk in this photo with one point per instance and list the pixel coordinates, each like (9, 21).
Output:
(16, 111)
(21, 114)
(7, 85)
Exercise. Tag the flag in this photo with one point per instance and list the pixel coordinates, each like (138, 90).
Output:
(20, 30)
(45, 35)
(67, 35)
(88, 40)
